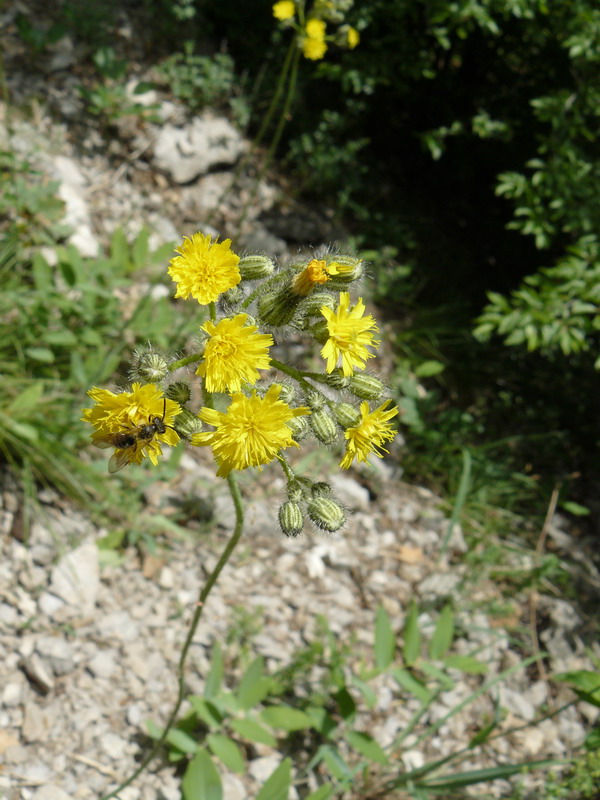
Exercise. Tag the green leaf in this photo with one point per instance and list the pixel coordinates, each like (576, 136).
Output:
(466, 664)
(584, 682)
(27, 400)
(63, 338)
(406, 681)
(253, 687)
(385, 641)
(206, 711)
(592, 740)
(42, 273)
(201, 780)
(215, 675)
(368, 695)
(42, 354)
(412, 636)
(181, 741)
(345, 703)
(428, 369)
(140, 247)
(485, 775)
(576, 509)
(286, 718)
(335, 763)
(277, 786)
(321, 720)
(253, 732)
(119, 250)
(366, 746)
(324, 792)
(443, 633)
(227, 750)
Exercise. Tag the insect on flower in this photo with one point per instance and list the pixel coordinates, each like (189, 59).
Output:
(130, 441)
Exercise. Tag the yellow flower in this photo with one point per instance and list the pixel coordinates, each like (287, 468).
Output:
(283, 10)
(315, 272)
(349, 335)
(233, 354)
(204, 269)
(251, 432)
(370, 434)
(353, 37)
(127, 422)
(314, 46)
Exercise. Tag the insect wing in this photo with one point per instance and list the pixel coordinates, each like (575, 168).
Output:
(108, 441)
(120, 458)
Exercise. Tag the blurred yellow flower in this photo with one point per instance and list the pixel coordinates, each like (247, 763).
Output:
(353, 37)
(284, 9)
(251, 432)
(204, 269)
(314, 46)
(233, 354)
(370, 434)
(349, 335)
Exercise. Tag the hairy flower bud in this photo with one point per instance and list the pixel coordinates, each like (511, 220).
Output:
(277, 308)
(323, 426)
(288, 393)
(179, 391)
(187, 424)
(314, 303)
(337, 380)
(320, 489)
(148, 366)
(319, 331)
(254, 268)
(291, 519)
(315, 400)
(347, 415)
(326, 513)
(295, 492)
(366, 386)
(348, 270)
(298, 427)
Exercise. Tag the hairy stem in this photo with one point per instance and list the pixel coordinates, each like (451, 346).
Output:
(206, 589)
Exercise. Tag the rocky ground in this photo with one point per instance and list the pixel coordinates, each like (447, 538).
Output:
(88, 649)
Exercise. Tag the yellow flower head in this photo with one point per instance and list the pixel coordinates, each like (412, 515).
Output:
(251, 432)
(233, 354)
(314, 45)
(353, 37)
(349, 335)
(204, 269)
(284, 9)
(128, 412)
(370, 434)
(315, 272)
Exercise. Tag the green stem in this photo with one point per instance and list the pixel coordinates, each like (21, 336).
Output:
(184, 361)
(293, 373)
(286, 468)
(212, 579)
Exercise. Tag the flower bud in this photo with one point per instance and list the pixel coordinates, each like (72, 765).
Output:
(277, 308)
(298, 427)
(315, 400)
(323, 426)
(295, 492)
(326, 514)
(347, 270)
(187, 424)
(179, 391)
(288, 393)
(320, 489)
(291, 519)
(253, 268)
(346, 415)
(366, 386)
(337, 380)
(319, 331)
(314, 303)
(232, 297)
(148, 366)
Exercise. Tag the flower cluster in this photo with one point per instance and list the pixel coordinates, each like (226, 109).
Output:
(311, 27)
(255, 406)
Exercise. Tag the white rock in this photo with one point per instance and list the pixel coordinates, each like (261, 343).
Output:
(76, 578)
(190, 151)
(57, 652)
(12, 694)
(114, 746)
(517, 703)
(77, 215)
(119, 625)
(261, 768)
(50, 792)
(103, 664)
(350, 492)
